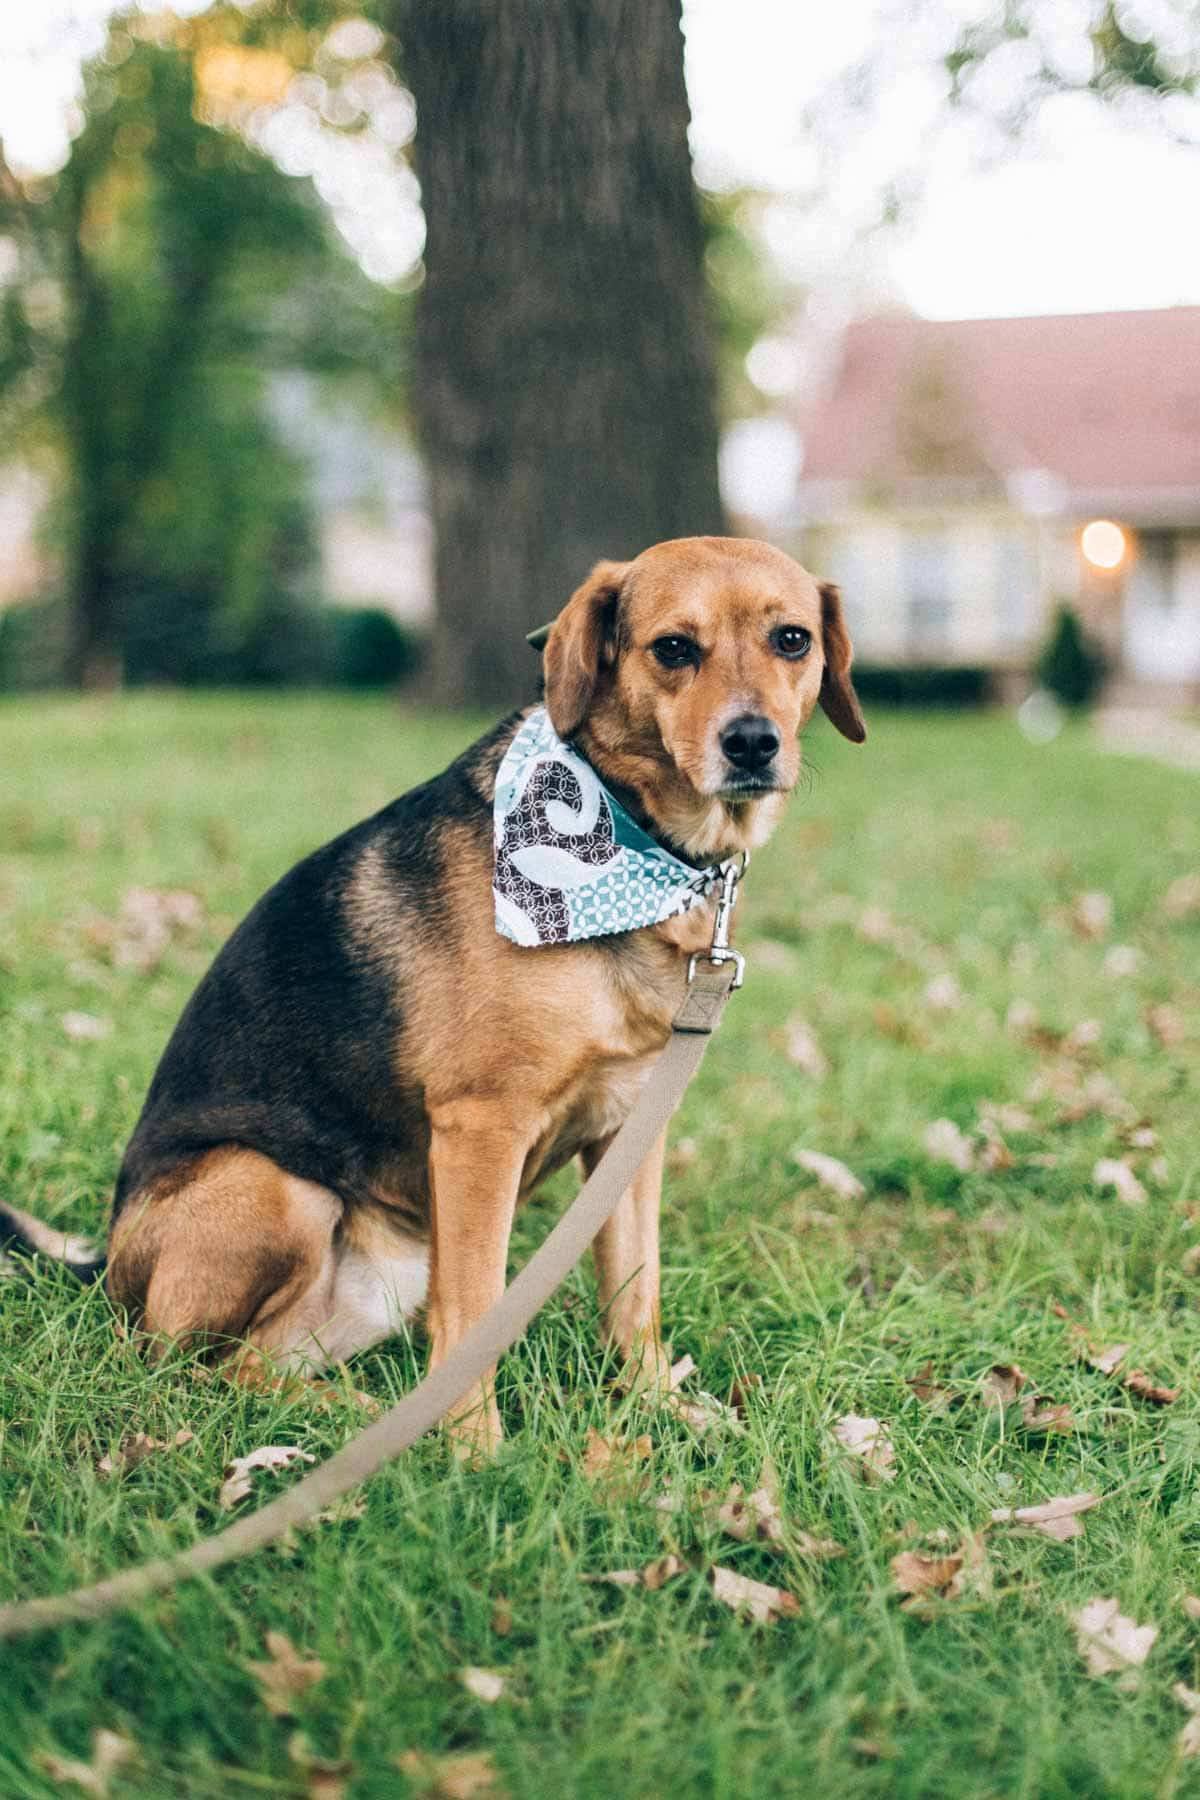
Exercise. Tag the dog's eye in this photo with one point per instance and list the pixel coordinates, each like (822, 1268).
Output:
(792, 640)
(675, 652)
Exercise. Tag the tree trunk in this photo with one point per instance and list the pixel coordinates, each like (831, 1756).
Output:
(564, 377)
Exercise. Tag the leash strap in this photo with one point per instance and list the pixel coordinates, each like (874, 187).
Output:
(698, 1017)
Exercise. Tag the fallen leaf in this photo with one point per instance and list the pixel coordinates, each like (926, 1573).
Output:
(1041, 1414)
(871, 1441)
(1167, 1024)
(1182, 898)
(943, 994)
(1191, 1605)
(464, 1775)
(610, 1460)
(502, 1617)
(741, 1389)
(655, 1574)
(1139, 1383)
(952, 1575)
(326, 1780)
(1107, 1361)
(85, 1028)
(239, 1474)
(944, 1142)
(821, 1549)
(284, 1676)
(1057, 1518)
(1092, 914)
(110, 1752)
(1004, 1115)
(135, 1449)
(681, 1370)
(930, 1392)
(1083, 1036)
(753, 1518)
(485, 1684)
(804, 1051)
(830, 1173)
(914, 1573)
(1122, 960)
(764, 1604)
(1002, 1383)
(1109, 1642)
(1109, 1172)
(1188, 1741)
(1021, 1019)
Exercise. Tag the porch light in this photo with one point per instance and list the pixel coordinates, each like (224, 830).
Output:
(1103, 544)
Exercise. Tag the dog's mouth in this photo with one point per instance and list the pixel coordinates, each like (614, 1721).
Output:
(743, 786)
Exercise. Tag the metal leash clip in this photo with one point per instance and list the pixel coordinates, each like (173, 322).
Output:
(719, 950)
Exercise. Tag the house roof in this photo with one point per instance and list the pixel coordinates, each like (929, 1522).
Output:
(1108, 403)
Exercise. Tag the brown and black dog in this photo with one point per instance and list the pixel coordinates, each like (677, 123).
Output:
(370, 1078)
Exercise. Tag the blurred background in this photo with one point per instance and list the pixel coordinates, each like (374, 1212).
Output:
(336, 343)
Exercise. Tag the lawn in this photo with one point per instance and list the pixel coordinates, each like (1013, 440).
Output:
(953, 926)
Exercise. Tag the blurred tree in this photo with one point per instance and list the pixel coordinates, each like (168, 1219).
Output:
(564, 383)
(161, 274)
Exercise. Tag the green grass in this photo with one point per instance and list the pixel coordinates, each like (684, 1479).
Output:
(977, 844)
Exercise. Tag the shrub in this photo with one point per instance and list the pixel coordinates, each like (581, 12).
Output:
(1071, 665)
(370, 649)
(925, 686)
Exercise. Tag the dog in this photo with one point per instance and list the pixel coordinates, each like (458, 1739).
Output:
(371, 1076)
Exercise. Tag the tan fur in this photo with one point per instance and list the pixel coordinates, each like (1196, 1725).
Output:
(521, 1059)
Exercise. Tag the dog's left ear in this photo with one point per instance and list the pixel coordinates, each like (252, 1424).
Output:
(581, 641)
(838, 698)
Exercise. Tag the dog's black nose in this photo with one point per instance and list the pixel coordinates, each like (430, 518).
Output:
(750, 741)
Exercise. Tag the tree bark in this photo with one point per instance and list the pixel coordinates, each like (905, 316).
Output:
(564, 383)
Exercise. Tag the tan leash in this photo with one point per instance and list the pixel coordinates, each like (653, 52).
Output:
(711, 979)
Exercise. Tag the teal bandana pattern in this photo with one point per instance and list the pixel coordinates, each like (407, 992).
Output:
(570, 863)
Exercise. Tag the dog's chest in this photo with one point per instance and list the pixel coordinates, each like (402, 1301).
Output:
(593, 1108)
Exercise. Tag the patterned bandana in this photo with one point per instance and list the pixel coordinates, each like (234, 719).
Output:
(570, 862)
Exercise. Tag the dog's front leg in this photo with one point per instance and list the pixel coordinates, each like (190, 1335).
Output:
(475, 1164)
(627, 1271)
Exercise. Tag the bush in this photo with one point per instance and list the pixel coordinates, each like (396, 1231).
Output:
(33, 646)
(370, 649)
(1072, 666)
(929, 686)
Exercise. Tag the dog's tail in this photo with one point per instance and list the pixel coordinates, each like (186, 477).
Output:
(20, 1231)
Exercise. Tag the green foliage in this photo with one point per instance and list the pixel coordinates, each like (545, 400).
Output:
(1071, 665)
(372, 649)
(836, 1304)
(747, 295)
(931, 686)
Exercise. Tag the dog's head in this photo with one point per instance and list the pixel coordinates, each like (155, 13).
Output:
(686, 675)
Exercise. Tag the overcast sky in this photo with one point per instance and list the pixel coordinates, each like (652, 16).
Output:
(1092, 214)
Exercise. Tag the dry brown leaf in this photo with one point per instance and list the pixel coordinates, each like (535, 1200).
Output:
(681, 1370)
(1182, 898)
(1002, 1384)
(85, 1028)
(1109, 1642)
(1139, 1383)
(704, 1413)
(926, 1577)
(486, 1684)
(326, 1780)
(753, 1518)
(655, 1574)
(110, 1752)
(1191, 1605)
(1092, 914)
(1057, 1518)
(1043, 1415)
(285, 1675)
(611, 1459)
(915, 1573)
(239, 1474)
(943, 994)
(135, 1449)
(821, 1549)
(942, 1141)
(1107, 1361)
(1110, 1172)
(1167, 1024)
(1122, 960)
(1188, 1741)
(464, 1775)
(831, 1174)
(871, 1442)
(804, 1050)
(741, 1389)
(930, 1392)
(502, 1615)
(763, 1603)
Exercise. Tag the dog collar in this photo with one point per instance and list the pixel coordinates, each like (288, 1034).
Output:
(570, 862)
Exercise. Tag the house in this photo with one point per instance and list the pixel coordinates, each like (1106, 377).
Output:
(960, 478)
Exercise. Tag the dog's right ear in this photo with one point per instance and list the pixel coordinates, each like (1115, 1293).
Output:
(582, 640)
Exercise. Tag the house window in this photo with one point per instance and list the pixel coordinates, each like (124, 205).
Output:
(927, 591)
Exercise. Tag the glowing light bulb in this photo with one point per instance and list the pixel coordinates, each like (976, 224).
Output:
(1103, 544)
